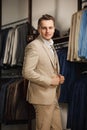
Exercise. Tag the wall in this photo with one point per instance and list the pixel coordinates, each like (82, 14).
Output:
(62, 10)
(13, 10)
(40, 7)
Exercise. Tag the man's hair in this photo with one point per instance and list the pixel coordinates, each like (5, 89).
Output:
(45, 17)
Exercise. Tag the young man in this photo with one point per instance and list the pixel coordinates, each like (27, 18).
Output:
(41, 68)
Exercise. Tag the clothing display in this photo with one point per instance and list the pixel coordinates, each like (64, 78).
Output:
(71, 55)
(77, 113)
(14, 106)
(13, 88)
(77, 53)
(77, 50)
(14, 38)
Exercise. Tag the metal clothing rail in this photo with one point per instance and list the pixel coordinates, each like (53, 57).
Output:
(18, 21)
(84, 1)
(80, 2)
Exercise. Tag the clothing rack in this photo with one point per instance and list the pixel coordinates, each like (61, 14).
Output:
(80, 2)
(61, 42)
(15, 22)
(61, 39)
(28, 19)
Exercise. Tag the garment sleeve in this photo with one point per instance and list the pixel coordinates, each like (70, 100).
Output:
(30, 72)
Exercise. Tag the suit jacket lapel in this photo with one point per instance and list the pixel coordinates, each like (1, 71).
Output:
(49, 54)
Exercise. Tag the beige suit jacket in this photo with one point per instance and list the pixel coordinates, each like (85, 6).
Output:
(38, 68)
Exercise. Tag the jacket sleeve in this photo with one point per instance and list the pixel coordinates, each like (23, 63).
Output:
(29, 70)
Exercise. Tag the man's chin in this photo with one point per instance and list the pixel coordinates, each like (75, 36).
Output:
(47, 38)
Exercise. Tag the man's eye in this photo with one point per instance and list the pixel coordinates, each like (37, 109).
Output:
(50, 27)
(43, 27)
(46, 28)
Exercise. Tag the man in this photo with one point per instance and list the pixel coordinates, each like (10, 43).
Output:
(41, 68)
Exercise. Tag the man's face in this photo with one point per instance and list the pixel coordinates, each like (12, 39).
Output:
(47, 29)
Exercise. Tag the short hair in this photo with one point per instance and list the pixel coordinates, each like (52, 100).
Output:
(46, 17)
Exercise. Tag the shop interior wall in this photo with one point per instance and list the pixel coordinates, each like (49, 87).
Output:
(62, 10)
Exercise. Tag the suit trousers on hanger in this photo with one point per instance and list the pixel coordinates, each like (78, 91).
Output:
(48, 117)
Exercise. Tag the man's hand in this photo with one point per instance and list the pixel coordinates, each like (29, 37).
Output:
(57, 79)
(61, 78)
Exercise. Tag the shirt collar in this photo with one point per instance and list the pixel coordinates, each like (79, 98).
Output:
(48, 43)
